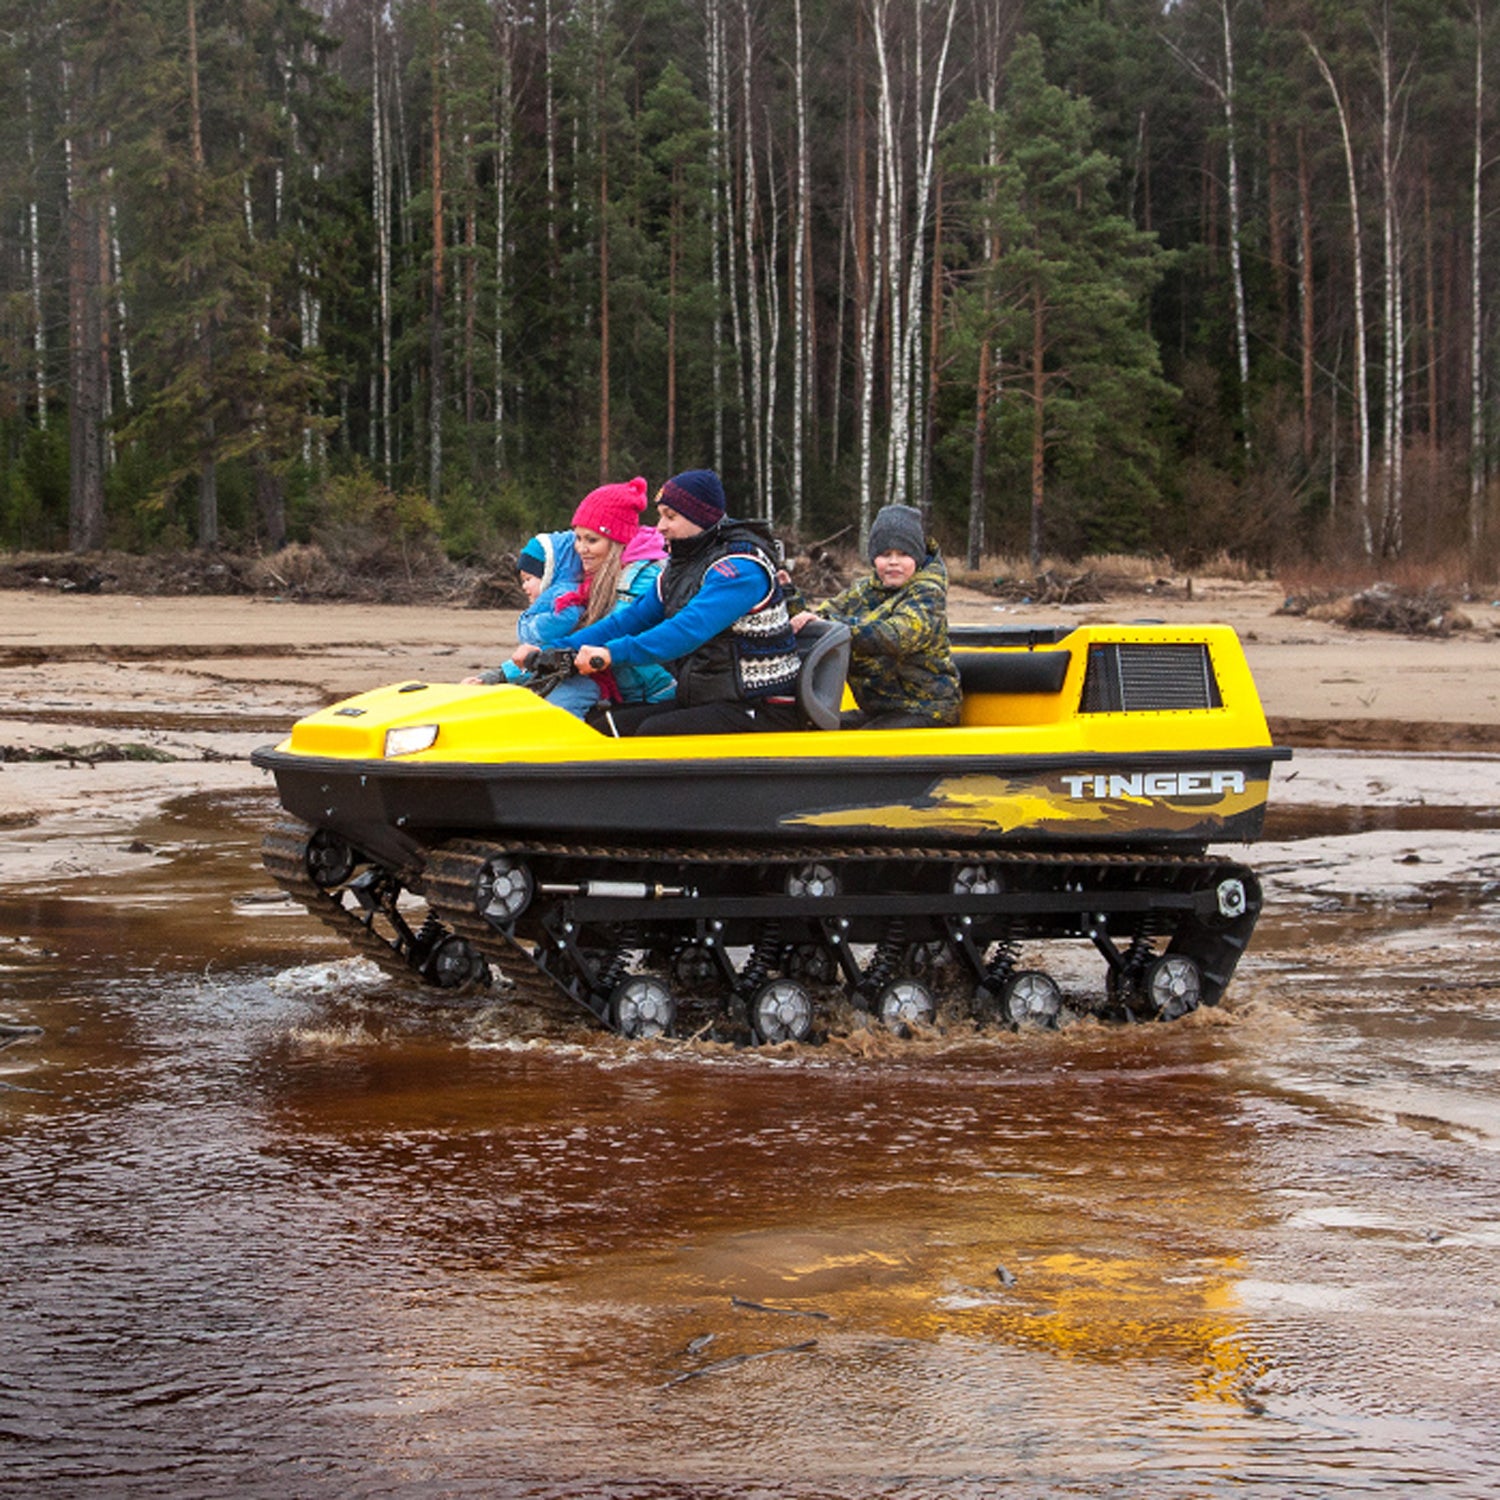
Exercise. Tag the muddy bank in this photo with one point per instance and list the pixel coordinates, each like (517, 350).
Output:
(139, 700)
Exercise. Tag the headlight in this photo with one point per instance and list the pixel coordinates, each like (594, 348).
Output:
(410, 739)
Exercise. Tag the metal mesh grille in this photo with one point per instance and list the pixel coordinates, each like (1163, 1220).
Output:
(1134, 677)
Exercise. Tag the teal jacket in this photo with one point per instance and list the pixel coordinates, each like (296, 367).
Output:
(899, 658)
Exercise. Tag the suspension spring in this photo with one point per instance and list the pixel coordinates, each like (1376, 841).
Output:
(1137, 955)
(1001, 965)
(885, 962)
(762, 960)
(428, 936)
(617, 966)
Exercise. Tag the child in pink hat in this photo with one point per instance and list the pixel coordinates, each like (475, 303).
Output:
(620, 560)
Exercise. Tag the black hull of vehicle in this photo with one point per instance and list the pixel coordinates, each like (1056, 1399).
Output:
(393, 812)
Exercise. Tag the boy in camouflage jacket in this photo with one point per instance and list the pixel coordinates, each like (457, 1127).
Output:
(901, 671)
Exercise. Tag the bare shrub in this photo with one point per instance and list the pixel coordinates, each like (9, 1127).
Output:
(1384, 606)
(299, 569)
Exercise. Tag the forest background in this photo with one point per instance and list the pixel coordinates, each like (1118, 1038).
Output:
(1192, 279)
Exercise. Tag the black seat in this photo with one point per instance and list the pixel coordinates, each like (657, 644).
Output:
(1012, 671)
(823, 646)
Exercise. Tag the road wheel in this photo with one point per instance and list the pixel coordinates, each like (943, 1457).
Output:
(905, 1003)
(781, 1011)
(642, 1007)
(1031, 998)
(1171, 986)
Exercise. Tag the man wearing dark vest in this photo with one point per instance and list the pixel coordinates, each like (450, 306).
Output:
(717, 619)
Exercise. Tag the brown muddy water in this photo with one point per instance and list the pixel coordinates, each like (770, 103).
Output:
(270, 1225)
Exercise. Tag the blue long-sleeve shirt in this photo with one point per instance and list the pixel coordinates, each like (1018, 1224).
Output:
(642, 632)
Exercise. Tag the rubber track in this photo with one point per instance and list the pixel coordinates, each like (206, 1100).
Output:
(453, 868)
(282, 851)
(813, 854)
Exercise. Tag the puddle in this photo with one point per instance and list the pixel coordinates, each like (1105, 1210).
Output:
(1289, 823)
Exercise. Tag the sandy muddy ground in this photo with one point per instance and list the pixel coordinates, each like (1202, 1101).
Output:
(186, 688)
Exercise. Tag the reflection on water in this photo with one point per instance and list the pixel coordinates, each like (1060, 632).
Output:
(273, 1227)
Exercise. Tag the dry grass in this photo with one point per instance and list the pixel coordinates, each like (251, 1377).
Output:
(1451, 574)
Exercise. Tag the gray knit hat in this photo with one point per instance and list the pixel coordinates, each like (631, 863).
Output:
(898, 528)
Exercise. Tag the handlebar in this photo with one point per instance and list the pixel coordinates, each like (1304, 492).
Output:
(552, 667)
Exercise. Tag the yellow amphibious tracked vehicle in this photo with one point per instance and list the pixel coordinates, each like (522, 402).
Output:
(1078, 799)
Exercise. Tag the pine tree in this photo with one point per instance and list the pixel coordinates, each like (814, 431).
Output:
(1069, 281)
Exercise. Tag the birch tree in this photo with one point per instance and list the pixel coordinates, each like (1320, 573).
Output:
(380, 136)
(906, 417)
(1476, 301)
(801, 259)
(1357, 262)
(87, 368)
(504, 152)
(435, 302)
(1221, 79)
(868, 228)
(1393, 91)
(34, 259)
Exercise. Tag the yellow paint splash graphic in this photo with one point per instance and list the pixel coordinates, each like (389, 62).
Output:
(997, 804)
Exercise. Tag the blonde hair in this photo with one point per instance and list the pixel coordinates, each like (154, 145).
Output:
(604, 585)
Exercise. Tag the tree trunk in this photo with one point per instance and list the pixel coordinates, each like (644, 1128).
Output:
(34, 269)
(1432, 337)
(770, 260)
(1223, 85)
(718, 249)
(841, 306)
(379, 147)
(116, 274)
(748, 221)
(470, 287)
(801, 353)
(208, 489)
(731, 280)
(270, 504)
(504, 132)
(1305, 293)
(1038, 426)
(867, 289)
(1393, 323)
(1476, 299)
(1276, 235)
(674, 254)
(890, 203)
(913, 423)
(979, 453)
(1361, 377)
(934, 354)
(1236, 268)
(435, 302)
(208, 478)
(85, 350)
(549, 116)
(603, 294)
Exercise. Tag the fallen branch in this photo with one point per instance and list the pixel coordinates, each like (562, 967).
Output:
(729, 1363)
(786, 1312)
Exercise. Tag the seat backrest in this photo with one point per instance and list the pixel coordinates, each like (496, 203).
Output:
(823, 646)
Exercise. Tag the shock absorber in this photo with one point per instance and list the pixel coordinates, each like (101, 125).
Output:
(428, 936)
(885, 962)
(617, 965)
(1001, 965)
(763, 957)
(1137, 956)
(1125, 972)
